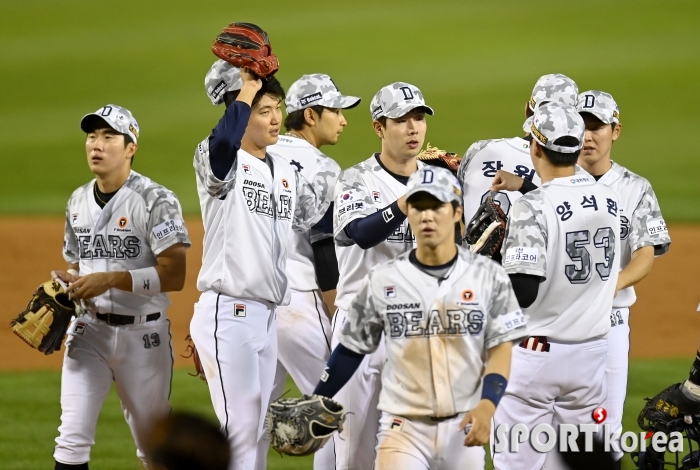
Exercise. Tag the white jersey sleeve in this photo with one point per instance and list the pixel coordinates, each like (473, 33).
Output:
(315, 192)
(362, 331)
(353, 200)
(165, 223)
(524, 249)
(506, 318)
(647, 225)
(213, 185)
(70, 240)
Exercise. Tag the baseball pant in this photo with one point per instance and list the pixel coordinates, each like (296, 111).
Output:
(303, 348)
(424, 444)
(562, 386)
(616, 370)
(237, 344)
(355, 446)
(138, 358)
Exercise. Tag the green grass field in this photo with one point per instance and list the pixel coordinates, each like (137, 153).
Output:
(30, 416)
(476, 63)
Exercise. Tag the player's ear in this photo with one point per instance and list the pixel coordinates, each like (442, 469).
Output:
(378, 129)
(459, 211)
(131, 148)
(309, 117)
(616, 132)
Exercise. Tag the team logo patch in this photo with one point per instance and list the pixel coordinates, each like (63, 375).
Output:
(467, 295)
(74, 219)
(285, 183)
(376, 197)
(239, 310)
(79, 328)
(246, 169)
(390, 292)
(396, 424)
(123, 222)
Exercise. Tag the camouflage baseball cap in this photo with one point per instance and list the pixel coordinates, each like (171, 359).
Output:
(436, 181)
(317, 89)
(397, 99)
(118, 118)
(554, 120)
(600, 104)
(222, 77)
(553, 87)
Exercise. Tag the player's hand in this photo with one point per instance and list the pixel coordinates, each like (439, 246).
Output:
(250, 80)
(64, 276)
(505, 181)
(89, 286)
(480, 420)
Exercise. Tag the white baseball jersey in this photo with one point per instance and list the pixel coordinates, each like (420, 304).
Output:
(480, 164)
(567, 231)
(247, 219)
(136, 225)
(641, 222)
(304, 157)
(436, 332)
(363, 190)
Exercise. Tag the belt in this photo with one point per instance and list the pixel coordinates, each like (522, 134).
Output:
(442, 418)
(535, 343)
(115, 320)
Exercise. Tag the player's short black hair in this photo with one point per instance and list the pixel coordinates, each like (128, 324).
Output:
(295, 120)
(382, 121)
(560, 158)
(270, 86)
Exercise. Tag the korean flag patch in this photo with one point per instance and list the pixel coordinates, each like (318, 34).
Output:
(390, 292)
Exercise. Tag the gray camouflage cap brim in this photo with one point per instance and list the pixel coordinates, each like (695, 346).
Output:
(397, 100)
(317, 89)
(600, 104)
(221, 78)
(436, 181)
(118, 118)
(554, 120)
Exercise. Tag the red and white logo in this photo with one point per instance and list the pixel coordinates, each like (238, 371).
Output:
(239, 310)
(246, 169)
(376, 197)
(397, 424)
(74, 219)
(390, 291)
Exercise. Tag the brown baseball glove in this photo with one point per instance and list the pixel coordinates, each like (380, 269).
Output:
(436, 157)
(191, 351)
(246, 45)
(487, 229)
(44, 322)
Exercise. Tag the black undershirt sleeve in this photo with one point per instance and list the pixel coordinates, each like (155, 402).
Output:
(325, 225)
(225, 139)
(325, 264)
(525, 287)
(370, 231)
(341, 366)
(527, 187)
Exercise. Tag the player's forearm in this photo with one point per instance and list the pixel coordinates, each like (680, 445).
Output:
(171, 268)
(637, 269)
(373, 229)
(225, 139)
(499, 360)
(341, 366)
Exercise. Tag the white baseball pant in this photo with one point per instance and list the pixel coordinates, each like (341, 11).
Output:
(355, 446)
(237, 344)
(138, 358)
(303, 348)
(424, 444)
(616, 370)
(562, 386)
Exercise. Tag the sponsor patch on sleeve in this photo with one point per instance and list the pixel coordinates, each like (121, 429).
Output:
(656, 226)
(351, 207)
(168, 228)
(521, 254)
(512, 320)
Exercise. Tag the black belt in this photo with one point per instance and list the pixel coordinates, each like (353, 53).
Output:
(443, 418)
(115, 320)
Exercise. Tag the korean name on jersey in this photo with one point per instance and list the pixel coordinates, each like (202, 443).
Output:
(363, 190)
(567, 232)
(480, 164)
(136, 225)
(436, 332)
(248, 217)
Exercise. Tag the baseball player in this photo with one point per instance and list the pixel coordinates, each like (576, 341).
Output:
(125, 244)
(448, 316)
(314, 119)
(485, 158)
(370, 227)
(250, 200)
(562, 252)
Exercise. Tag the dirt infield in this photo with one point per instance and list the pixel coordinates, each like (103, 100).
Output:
(664, 319)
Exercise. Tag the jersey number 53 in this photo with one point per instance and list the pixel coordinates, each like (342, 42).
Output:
(576, 248)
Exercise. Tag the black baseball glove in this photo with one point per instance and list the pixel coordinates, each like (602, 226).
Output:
(44, 322)
(667, 406)
(300, 426)
(487, 229)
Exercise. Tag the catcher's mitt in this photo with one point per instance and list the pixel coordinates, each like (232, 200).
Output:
(487, 229)
(300, 426)
(246, 45)
(667, 406)
(191, 351)
(436, 157)
(44, 322)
